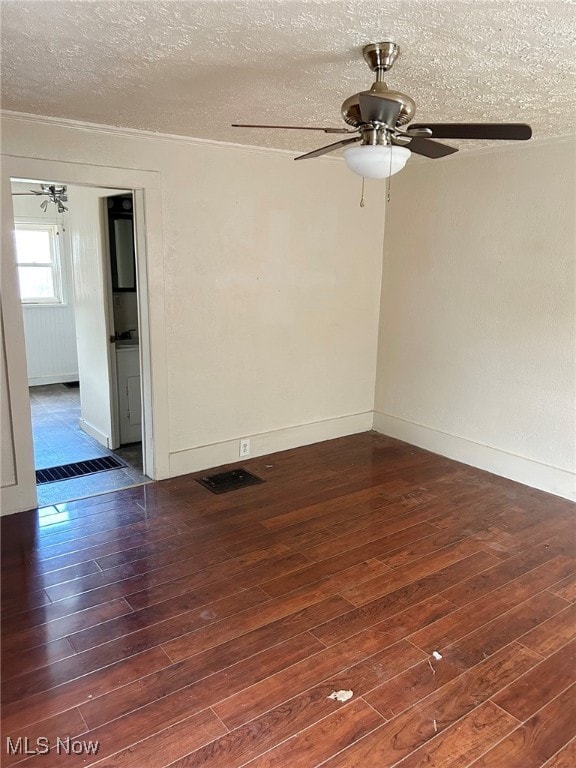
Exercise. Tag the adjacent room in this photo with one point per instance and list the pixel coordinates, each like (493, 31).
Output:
(341, 391)
(84, 443)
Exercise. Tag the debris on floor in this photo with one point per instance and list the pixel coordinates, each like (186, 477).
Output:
(341, 695)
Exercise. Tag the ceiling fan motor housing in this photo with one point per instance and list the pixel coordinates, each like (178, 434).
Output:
(351, 107)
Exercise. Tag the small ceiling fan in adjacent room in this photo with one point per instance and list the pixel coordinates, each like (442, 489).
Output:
(55, 193)
(379, 144)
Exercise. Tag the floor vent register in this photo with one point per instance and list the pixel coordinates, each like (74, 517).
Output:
(229, 481)
(78, 469)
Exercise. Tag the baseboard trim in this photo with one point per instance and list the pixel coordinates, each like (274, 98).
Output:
(554, 480)
(60, 378)
(93, 432)
(227, 452)
(16, 498)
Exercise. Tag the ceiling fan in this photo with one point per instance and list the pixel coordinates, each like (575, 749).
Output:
(55, 193)
(377, 118)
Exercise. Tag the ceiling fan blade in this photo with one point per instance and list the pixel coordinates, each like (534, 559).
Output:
(495, 131)
(433, 149)
(328, 148)
(377, 109)
(294, 128)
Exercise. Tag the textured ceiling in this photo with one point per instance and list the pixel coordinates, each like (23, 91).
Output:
(192, 68)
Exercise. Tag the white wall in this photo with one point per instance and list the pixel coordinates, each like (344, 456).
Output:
(271, 277)
(94, 326)
(477, 336)
(49, 328)
(264, 299)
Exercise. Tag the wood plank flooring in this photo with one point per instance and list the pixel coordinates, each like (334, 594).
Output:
(166, 626)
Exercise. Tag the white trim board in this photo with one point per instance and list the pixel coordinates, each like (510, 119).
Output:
(56, 378)
(139, 133)
(17, 498)
(91, 430)
(227, 452)
(146, 186)
(553, 480)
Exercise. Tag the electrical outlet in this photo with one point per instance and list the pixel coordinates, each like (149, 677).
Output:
(245, 447)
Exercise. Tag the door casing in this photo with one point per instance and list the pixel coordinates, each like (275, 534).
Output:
(21, 494)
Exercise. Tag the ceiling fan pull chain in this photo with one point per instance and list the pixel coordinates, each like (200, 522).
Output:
(362, 196)
(388, 181)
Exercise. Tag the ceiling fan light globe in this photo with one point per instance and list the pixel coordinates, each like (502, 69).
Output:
(376, 161)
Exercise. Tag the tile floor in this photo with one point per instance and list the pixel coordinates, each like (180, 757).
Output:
(59, 440)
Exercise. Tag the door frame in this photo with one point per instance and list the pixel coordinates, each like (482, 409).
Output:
(146, 188)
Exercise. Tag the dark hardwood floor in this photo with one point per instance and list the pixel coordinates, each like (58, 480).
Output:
(179, 628)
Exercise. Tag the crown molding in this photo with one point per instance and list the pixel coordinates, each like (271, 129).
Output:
(137, 133)
(533, 143)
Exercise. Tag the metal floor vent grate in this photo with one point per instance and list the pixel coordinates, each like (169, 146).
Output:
(229, 481)
(78, 469)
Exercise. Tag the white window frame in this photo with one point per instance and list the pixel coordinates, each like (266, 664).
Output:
(55, 263)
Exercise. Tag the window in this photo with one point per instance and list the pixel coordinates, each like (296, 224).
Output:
(38, 260)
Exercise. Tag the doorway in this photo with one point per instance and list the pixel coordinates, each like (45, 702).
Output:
(18, 486)
(78, 279)
(67, 461)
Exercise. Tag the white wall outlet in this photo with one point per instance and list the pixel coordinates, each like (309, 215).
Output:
(245, 447)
